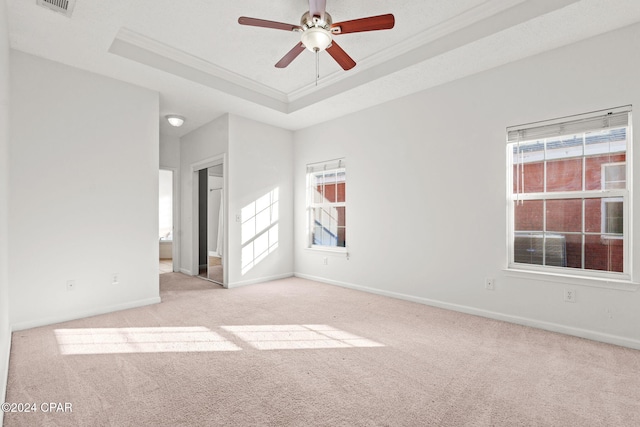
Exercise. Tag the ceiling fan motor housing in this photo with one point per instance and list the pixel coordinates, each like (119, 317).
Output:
(308, 21)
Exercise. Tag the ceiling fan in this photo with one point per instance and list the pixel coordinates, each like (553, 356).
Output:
(317, 30)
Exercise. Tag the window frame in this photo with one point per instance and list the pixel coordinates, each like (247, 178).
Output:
(605, 202)
(337, 166)
(624, 195)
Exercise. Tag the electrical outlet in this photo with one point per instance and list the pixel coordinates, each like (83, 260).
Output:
(115, 278)
(71, 285)
(325, 261)
(490, 284)
(569, 295)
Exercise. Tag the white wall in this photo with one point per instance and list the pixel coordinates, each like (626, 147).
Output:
(206, 142)
(260, 158)
(426, 190)
(5, 332)
(169, 152)
(84, 193)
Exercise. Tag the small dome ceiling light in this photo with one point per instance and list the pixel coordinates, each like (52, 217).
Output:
(175, 120)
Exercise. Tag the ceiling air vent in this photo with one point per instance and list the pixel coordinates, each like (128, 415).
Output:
(64, 7)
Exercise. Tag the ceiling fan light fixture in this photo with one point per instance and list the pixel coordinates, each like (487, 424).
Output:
(175, 120)
(316, 39)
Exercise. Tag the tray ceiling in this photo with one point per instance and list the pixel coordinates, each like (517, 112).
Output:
(203, 63)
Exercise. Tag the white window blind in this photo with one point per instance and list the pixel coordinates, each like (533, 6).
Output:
(599, 120)
(324, 166)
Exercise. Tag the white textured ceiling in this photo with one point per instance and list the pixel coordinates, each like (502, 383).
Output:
(204, 63)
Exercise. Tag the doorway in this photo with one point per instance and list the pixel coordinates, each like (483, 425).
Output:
(210, 236)
(165, 220)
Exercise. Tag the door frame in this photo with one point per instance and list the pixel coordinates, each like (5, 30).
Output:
(195, 168)
(175, 209)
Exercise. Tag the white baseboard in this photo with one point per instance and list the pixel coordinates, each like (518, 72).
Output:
(186, 271)
(259, 280)
(540, 324)
(82, 314)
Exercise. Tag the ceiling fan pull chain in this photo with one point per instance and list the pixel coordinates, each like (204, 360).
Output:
(317, 66)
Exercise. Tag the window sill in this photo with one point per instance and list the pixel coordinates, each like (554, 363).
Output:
(333, 251)
(596, 282)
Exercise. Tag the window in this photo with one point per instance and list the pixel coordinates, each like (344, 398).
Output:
(327, 204)
(569, 196)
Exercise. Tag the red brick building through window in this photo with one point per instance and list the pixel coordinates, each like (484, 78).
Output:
(327, 204)
(568, 210)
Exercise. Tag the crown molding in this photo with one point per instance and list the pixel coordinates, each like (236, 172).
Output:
(484, 20)
(148, 51)
(463, 20)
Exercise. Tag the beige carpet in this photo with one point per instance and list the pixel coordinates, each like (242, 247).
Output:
(299, 353)
(165, 265)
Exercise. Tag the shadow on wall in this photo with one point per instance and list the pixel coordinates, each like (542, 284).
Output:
(259, 233)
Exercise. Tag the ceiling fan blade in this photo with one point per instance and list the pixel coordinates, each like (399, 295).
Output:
(255, 22)
(341, 56)
(317, 8)
(290, 56)
(372, 23)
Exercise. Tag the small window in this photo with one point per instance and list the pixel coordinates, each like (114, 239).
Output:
(326, 201)
(569, 196)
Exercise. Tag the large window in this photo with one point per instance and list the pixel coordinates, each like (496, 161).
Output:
(569, 196)
(326, 203)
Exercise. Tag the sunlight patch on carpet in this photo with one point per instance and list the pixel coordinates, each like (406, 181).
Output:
(289, 337)
(141, 340)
